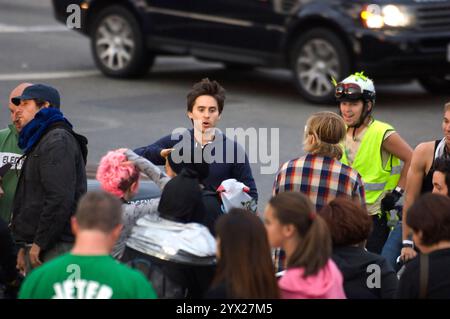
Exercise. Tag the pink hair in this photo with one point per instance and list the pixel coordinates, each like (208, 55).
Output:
(113, 174)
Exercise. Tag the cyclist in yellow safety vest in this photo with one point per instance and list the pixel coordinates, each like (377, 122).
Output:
(375, 150)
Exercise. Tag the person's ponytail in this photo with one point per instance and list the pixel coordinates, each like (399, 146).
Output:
(323, 133)
(314, 249)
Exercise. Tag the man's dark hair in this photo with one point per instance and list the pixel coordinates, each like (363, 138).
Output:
(443, 165)
(40, 103)
(206, 87)
(430, 214)
(100, 211)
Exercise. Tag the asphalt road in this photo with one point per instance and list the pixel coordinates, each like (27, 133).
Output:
(132, 113)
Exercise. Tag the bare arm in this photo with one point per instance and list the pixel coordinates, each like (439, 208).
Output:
(417, 172)
(398, 147)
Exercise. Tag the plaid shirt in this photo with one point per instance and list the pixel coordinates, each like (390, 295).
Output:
(321, 179)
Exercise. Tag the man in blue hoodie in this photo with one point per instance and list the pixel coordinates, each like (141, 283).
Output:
(226, 157)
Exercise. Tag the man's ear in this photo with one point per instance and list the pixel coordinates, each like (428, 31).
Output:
(116, 232)
(369, 106)
(310, 139)
(74, 225)
(134, 186)
(46, 105)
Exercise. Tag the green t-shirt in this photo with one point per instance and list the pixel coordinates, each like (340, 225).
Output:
(85, 277)
(9, 153)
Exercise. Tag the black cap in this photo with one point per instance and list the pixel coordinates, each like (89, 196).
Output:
(41, 92)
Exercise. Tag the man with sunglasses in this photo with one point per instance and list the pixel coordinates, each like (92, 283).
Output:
(375, 150)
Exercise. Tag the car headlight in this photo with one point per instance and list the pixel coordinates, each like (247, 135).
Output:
(375, 16)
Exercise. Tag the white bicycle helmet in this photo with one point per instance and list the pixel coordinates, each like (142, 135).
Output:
(354, 87)
(357, 87)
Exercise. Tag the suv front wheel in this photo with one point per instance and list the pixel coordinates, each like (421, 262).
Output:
(118, 45)
(317, 57)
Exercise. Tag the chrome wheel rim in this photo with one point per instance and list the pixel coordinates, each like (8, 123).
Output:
(114, 42)
(316, 64)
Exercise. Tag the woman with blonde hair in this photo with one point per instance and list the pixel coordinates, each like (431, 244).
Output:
(319, 174)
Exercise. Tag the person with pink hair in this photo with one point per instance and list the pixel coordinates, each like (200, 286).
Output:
(118, 174)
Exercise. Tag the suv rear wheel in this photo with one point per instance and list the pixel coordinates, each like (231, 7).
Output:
(317, 56)
(118, 45)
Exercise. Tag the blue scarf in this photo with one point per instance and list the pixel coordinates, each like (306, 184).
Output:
(33, 131)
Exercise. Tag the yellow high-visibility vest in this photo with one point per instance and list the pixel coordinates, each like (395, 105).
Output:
(368, 162)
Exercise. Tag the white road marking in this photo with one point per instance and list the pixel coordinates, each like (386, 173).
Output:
(47, 75)
(5, 28)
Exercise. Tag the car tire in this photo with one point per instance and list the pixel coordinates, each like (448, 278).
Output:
(316, 57)
(118, 45)
(436, 84)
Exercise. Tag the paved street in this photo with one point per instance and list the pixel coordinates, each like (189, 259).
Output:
(125, 113)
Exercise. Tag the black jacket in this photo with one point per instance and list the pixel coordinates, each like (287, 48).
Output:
(357, 267)
(213, 211)
(52, 180)
(438, 279)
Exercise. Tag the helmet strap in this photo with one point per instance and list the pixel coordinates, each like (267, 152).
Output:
(364, 114)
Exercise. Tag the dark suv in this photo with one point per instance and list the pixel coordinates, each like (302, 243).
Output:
(317, 40)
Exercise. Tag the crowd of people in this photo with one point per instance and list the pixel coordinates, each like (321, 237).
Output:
(360, 216)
